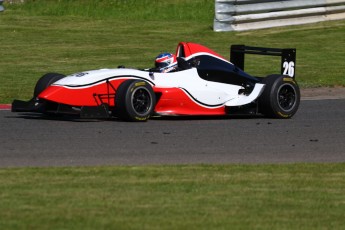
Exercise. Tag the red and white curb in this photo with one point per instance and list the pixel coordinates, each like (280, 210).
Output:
(5, 107)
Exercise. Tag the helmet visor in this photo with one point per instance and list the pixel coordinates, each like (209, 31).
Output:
(161, 64)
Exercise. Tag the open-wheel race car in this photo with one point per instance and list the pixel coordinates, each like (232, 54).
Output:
(204, 83)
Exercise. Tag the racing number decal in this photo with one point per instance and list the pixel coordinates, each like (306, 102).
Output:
(289, 68)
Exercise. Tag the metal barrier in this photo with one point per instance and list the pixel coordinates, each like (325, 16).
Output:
(1, 6)
(240, 15)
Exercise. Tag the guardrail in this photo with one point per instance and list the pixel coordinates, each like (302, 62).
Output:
(1, 6)
(240, 15)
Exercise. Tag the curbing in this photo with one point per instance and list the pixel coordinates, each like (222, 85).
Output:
(5, 107)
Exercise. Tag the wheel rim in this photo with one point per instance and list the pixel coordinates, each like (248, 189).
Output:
(141, 101)
(286, 97)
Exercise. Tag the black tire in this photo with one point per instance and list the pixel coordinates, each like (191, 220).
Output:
(281, 97)
(134, 100)
(45, 81)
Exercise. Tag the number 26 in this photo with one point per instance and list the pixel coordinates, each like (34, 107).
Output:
(289, 68)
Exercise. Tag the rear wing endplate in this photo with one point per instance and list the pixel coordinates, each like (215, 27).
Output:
(288, 57)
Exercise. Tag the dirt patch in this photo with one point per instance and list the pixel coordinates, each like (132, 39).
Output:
(323, 93)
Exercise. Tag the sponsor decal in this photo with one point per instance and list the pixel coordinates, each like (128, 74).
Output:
(283, 115)
(287, 79)
(140, 83)
(80, 74)
(141, 118)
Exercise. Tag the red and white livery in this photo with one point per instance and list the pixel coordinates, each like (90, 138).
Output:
(204, 83)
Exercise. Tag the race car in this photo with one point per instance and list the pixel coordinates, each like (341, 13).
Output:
(204, 84)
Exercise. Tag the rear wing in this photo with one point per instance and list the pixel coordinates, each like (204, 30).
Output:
(288, 57)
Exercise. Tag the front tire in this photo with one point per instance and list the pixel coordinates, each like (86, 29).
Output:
(134, 100)
(281, 97)
(45, 81)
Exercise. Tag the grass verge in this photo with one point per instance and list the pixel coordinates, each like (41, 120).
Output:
(295, 196)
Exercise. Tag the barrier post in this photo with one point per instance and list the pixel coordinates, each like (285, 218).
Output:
(1, 6)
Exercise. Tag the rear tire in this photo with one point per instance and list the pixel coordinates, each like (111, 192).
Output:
(45, 81)
(134, 100)
(281, 97)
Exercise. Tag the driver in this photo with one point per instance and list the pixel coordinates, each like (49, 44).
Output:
(166, 62)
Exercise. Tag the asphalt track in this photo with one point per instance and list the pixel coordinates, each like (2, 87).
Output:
(315, 134)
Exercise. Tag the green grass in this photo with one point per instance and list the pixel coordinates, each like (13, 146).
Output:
(295, 196)
(122, 9)
(71, 36)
